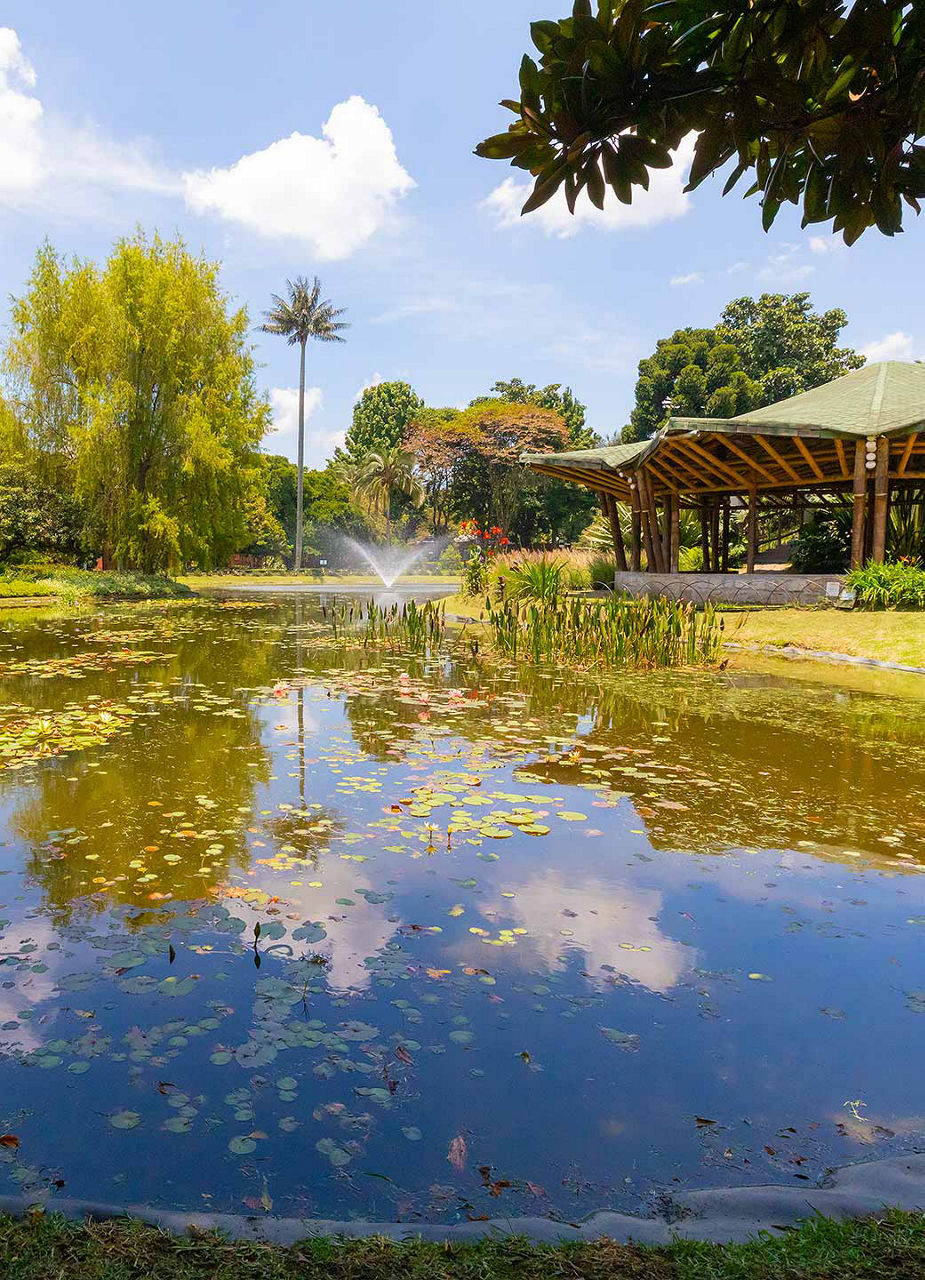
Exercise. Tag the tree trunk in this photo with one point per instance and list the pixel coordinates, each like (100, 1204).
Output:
(297, 565)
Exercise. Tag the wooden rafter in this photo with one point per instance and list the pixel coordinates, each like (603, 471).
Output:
(842, 459)
(781, 462)
(907, 453)
(717, 464)
(746, 457)
(813, 464)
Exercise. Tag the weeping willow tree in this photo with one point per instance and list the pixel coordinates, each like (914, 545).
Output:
(135, 389)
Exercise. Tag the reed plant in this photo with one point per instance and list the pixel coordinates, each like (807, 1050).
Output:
(406, 628)
(614, 632)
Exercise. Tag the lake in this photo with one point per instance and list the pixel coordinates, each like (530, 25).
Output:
(286, 924)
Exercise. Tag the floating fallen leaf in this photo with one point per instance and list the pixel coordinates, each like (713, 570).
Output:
(457, 1153)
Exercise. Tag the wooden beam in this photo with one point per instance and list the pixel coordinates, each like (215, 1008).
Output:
(752, 462)
(784, 465)
(668, 456)
(813, 464)
(860, 504)
(741, 482)
(842, 460)
(752, 539)
(881, 500)
(907, 453)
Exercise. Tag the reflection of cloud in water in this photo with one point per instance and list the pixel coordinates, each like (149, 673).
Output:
(358, 932)
(30, 991)
(606, 916)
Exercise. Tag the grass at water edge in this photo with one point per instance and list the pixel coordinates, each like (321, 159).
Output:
(42, 1247)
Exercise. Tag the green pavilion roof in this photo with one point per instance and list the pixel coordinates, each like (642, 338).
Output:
(611, 457)
(879, 399)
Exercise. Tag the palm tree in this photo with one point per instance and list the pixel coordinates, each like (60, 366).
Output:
(383, 472)
(305, 315)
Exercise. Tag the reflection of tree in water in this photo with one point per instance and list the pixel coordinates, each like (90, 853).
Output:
(710, 761)
(189, 766)
(753, 760)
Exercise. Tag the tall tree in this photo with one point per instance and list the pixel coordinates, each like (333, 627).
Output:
(137, 391)
(814, 100)
(384, 473)
(763, 350)
(562, 401)
(440, 444)
(304, 315)
(381, 418)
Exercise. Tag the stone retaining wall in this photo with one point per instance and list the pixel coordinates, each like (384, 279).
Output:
(733, 588)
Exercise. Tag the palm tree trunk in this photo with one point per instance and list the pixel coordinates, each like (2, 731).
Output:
(388, 515)
(301, 464)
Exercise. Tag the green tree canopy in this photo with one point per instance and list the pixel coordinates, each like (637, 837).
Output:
(761, 351)
(564, 402)
(137, 390)
(813, 100)
(381, 418)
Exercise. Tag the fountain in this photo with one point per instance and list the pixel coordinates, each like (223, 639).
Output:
(391, 563)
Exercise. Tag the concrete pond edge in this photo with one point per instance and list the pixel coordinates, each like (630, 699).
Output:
(724, 1215)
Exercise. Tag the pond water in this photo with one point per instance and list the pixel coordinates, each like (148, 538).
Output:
(528, 943)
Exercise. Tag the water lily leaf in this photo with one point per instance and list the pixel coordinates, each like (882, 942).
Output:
(623, 1039)
(124, 1119)
(242, 1146)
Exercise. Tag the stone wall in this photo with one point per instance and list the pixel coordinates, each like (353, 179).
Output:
(734, 588)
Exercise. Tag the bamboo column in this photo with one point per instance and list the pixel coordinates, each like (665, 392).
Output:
(657, 563)
(714, 536)
(635, 529)
(752, 544)
(881, 499)
(860, 504)
(675, 558)
(724, 564)
(616, 533)
(705, 535)
(667, 508)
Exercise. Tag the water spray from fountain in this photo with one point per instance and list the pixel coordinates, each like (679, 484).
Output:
(391, 563)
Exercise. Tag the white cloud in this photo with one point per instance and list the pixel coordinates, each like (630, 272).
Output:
(20, 117)
(374, 381)
(892, 346)
(692, 277)
(784, 268)
(45, 160)
(432, 306)
(319, 444)
(737, 267)
(664, 201)
(826, 244)
(332, 192)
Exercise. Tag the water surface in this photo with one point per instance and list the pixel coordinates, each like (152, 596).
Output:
(355, 935)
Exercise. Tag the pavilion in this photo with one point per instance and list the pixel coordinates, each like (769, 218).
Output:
(859, 439)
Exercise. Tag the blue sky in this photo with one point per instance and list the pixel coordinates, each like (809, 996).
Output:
(182, 117)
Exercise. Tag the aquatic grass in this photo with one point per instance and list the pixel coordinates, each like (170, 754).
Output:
(407, 628)
(615, 632)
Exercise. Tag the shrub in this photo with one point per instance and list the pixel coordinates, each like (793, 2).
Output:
(898, 585)
(540, 579)
(823, 546)
(475, 574)
(601, 571)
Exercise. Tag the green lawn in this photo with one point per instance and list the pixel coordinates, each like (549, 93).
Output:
(65, 583)
(888, 636)
(200, 581)
(49, 1248)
